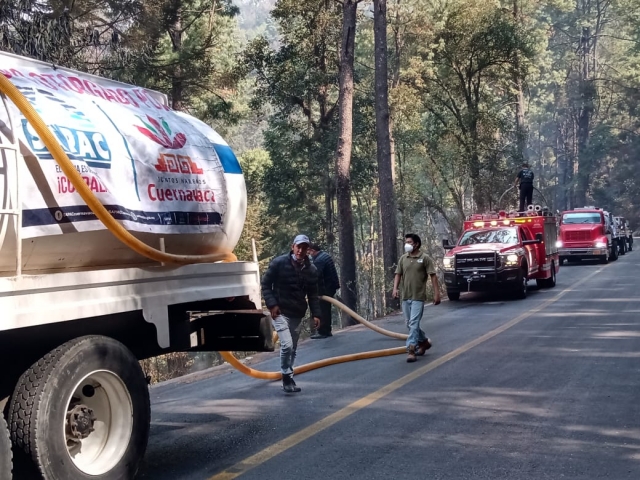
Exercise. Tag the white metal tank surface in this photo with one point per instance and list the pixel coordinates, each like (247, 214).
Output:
(167, 177)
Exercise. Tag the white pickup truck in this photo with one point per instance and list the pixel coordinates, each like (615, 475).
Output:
(79, 307)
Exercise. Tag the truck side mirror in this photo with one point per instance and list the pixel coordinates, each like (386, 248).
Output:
(539, 239)
(446, 245)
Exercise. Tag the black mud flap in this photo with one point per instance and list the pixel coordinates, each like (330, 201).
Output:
(231, 330)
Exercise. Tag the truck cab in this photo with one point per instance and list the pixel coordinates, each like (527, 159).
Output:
(501, 251)
(587, 233)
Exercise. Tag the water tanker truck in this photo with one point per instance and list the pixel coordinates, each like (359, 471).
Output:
(118, 219)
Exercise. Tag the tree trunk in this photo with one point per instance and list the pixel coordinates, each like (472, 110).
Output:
(587, 95)
(328, 207)
(521, 128)
(343, 160)
(480, 197)
(383, 141)
(177, 86)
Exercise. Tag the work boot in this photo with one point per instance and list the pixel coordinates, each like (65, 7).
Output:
(288, 385)
(411, 354)
(423, 346)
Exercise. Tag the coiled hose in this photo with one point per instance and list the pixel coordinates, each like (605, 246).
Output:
(238, 365)
(52, 144)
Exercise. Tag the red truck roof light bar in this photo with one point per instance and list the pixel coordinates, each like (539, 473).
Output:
(502, 215)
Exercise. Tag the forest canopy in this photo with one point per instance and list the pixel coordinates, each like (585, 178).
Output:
(475, 88)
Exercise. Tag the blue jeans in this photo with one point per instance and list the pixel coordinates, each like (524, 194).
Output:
(288, 332)
(412, 310)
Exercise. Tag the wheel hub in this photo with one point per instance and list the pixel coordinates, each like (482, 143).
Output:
(80, 422)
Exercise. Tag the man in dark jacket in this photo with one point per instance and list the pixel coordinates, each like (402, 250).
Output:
(288, 286)
(328, 284)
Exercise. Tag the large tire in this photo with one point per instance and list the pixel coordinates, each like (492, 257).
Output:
(109, 392)
(5, 451)
(520, 289)
(453, 295)
(548, 282)
(614, 252)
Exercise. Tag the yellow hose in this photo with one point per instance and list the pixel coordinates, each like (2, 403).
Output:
(87, 195)
(238, 365)
(366, 323)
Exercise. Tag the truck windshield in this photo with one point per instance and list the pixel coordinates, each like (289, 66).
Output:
(507, 236)
(575, 218)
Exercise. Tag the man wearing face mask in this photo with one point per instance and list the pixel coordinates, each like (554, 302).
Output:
(414, 270)
(288, 286)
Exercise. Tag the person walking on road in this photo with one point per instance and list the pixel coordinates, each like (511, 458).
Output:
(414, 270)
(289, 285)
(328, 285)
(525, 180)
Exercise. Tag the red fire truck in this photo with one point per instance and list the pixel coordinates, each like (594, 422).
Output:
(503, 251)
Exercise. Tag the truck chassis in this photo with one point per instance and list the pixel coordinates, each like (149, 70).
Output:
(70, 344)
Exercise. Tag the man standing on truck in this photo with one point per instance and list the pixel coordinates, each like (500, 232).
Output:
(288, 286)
(414, 270)
(525, 180)
(328, 285)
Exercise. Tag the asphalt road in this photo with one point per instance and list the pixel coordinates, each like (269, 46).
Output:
(542, 388)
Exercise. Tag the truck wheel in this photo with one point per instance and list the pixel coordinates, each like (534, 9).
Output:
(453, 295)
(548, 282)
(614, 253)
(521, 287)
(5, 451)
(623, 248)
(82, 411)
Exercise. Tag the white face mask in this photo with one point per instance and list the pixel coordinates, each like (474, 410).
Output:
(408, 248)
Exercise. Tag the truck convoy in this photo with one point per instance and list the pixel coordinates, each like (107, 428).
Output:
(117, 222)
(502, 251)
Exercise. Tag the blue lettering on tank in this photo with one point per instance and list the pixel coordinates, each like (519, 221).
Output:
(89, 147)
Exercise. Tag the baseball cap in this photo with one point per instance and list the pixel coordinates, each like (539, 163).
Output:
(301, 239)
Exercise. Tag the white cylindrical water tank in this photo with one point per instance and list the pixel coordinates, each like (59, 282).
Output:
(167, 177)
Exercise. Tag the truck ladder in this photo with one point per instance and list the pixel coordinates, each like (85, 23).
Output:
(13, 172)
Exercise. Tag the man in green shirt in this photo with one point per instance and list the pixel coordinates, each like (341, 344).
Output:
(414, 269)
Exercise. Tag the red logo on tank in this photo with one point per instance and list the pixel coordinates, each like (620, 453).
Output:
(170, 163)
(161, 133)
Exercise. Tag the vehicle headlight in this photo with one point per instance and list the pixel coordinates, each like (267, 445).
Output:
(510, 260)
(601, 245)
(447, 263)
(559, 244)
